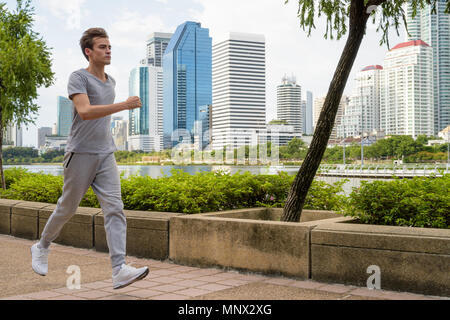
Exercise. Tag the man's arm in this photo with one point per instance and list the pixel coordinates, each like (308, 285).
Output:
(91, 112)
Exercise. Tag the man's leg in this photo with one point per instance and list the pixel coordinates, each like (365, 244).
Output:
(106, 186)
(79, 171)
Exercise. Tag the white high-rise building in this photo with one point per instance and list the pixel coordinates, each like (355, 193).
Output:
(289, 103)
(239, 90)
(42, 132)
(363, 111)
(146, 123)
(13, 135)
(155, 107)
(156, 45)
(318, 105)
(434, 29)
(308, 129)
(406, 90)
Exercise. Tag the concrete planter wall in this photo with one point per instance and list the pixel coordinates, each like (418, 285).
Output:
(323, 246)
(328, 249)
(78, 231)
(246, 239)
(147, 233)
(410, 259)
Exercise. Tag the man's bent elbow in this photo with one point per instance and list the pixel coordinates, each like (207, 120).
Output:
(83, 115)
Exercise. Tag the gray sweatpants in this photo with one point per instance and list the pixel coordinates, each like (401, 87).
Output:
(100, 171)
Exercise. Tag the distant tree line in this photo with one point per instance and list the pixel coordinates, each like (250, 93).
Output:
(395, 147)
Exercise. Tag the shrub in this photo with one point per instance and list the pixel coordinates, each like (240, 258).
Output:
(417, 202)
(14, 174)
(183, 192)
(39, 187)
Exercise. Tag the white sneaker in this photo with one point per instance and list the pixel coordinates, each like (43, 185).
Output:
(39, 259)
(127, 275)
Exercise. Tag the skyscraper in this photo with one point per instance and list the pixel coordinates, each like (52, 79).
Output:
(406, 90)
(239, 90)
(290, 106)
(318, 106)
(42, 132)
(156, 45)
(13, 135)
(64, 116)
(303, 116)
(187, 82)
(145, 123)
(363, 112)
(434, 29)
(309, 114)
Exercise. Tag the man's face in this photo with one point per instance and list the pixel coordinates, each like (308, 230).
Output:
(101, 52)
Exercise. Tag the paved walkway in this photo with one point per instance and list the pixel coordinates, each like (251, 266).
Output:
(166, 280)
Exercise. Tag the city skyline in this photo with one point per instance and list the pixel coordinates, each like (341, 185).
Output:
(62, 23)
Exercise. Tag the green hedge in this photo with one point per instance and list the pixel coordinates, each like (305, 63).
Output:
(417, 202)
(183, 192)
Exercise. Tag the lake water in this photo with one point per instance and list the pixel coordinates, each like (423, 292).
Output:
(157, 171)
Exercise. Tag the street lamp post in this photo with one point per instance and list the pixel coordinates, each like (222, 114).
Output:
(343, 127)
(344, 150)
(448, 149)
(362, 131)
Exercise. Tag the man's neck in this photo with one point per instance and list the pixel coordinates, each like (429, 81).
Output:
(97, 70)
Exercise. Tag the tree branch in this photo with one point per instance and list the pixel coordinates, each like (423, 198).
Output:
(375, 3)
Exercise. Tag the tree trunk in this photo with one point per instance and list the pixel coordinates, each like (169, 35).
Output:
(1, 150)
(305, 176)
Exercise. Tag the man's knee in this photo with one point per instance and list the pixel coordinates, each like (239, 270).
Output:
(114, 207)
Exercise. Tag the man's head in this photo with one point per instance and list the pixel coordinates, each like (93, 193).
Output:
(95, 46)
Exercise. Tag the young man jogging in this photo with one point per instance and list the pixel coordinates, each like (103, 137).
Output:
(89, 159)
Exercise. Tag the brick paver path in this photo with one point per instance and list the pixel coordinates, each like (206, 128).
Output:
(168, 281)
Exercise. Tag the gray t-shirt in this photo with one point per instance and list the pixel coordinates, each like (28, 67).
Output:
(91, 136)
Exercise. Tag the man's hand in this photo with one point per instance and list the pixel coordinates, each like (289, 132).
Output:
(133, 102)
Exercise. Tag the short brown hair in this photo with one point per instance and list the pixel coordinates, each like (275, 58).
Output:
(87, 40)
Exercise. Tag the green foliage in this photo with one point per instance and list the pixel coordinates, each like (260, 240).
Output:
(182, 192)
(325, 196)
(14, 174)
(35, 187)
(25, 64)
(417, 202)
(49, 155)
(24, 185)
(12, 153)
(295, 149)
(390, 13)
(277, 121)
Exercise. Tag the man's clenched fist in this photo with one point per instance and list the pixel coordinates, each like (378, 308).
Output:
(133, 102)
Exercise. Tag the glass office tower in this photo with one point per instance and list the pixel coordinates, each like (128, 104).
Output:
(138, 86)
(187, 82)
(64, 116)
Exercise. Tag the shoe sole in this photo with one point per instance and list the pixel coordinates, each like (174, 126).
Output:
(41, 274)
(140, 277)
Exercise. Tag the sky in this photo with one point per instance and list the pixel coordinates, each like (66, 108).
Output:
(289, 51)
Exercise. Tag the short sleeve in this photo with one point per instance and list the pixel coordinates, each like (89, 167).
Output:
(77, 84)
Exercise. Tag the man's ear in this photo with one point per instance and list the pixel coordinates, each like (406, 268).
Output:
(87, 51)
